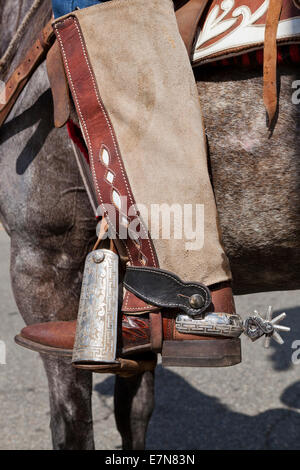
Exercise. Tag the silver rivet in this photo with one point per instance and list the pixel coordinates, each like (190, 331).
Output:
(98, 257)
(196, 301)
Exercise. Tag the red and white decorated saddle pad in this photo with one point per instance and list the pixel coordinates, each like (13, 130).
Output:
(233, 27)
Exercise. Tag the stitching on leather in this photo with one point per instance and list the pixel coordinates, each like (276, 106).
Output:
(84, 124)
(75, 20)
(113, 138)
(134, 268)
(136, 309)
(150, 299)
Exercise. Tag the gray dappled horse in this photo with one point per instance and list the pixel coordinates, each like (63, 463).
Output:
(45, 210)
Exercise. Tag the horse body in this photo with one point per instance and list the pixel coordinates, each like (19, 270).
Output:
(45, 210)
(256, 176)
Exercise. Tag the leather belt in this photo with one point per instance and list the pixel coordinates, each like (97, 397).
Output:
(270, 59)
(24, 71)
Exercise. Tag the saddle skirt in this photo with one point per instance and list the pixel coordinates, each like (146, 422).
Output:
(233, 27)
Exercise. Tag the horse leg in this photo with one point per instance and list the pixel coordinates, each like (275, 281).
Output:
(46, 289)
(70, 392)
(134, 404)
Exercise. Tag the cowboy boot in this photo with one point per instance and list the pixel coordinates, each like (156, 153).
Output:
(141, 335)
(138, 107)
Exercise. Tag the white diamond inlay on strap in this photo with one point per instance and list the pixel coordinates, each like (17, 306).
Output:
(104, 156)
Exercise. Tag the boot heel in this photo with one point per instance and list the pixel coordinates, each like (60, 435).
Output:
(202, 353)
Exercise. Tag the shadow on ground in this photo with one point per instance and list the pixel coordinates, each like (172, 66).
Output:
(186, 418)
(281, 354)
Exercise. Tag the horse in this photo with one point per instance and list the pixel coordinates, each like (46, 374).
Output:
(46, 212)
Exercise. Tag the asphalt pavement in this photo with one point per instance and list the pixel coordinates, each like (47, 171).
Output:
(254, 405)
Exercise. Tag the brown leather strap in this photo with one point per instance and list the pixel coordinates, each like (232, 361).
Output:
(24, 71)
(109, 174)
(188, 17)
(270, 59)
(59, 86)
(156, 331)
(107, 167)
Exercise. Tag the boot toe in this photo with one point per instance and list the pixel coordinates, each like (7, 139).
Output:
(59, 334)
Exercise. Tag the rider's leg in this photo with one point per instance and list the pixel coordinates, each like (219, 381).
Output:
(63, 7)
(160, 98)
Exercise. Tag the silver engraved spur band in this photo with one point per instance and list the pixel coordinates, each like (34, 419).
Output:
(232, 326)
(213, 324)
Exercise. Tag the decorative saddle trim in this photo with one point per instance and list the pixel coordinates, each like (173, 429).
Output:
(108, 171)
(233, 27)
(286, 55)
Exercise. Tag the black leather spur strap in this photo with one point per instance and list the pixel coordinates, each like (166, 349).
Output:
(165, 289)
